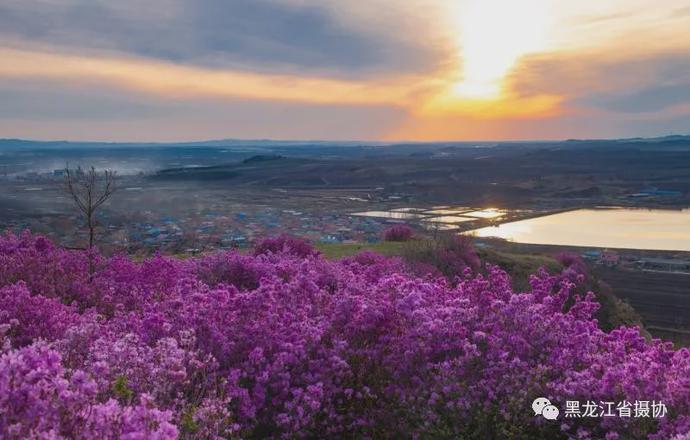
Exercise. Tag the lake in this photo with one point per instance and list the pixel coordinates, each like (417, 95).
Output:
(441, 214)
(651, 229)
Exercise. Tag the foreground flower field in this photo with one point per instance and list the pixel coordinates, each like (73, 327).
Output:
(286, 344)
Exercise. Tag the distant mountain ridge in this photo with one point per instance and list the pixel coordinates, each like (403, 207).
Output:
(671, 137)
(220, 143)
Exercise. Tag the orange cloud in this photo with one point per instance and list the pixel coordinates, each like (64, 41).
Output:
(178, 81)
(423, 95)
(528, 107)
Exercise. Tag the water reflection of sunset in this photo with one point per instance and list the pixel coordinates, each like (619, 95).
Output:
(613, 228)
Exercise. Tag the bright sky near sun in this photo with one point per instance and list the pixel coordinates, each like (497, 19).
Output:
(493, 41)
(343, 69)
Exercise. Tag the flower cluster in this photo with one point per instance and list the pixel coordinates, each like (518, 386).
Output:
(285, 344)
(574, 268)
(285, 243)
(398, 233)
(449, 255)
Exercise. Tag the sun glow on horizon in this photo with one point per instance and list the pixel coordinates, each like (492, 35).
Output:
(494, 35)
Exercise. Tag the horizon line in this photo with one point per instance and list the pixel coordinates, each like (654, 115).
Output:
(341, 141)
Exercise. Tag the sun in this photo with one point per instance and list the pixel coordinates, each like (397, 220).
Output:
(494, 34)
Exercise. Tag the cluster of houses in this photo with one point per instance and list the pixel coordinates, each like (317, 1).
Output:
(612, 258)
(242, 228)
(212, 230)
(604, 257)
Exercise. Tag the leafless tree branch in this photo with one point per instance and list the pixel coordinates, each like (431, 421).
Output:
(89, 190)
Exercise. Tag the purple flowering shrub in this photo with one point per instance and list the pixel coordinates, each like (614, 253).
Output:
(449, 255)
(574, 267)
(28, 318)
(279, 345)
(47, 270)
(398, 233)
(41, 399)
(285, 243)
(231, 268)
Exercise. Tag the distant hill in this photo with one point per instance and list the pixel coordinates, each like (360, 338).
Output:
(253, 169)
(651, 140)
(220, 143)
(277, 144)
(263, 158)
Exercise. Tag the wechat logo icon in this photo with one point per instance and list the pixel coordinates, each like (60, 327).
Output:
(542, 406)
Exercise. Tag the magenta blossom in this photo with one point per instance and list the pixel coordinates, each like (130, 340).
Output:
(287, 344)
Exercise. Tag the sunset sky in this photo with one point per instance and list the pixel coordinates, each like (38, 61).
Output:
(168, 70)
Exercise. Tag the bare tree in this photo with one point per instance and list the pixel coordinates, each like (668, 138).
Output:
(89, 189)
